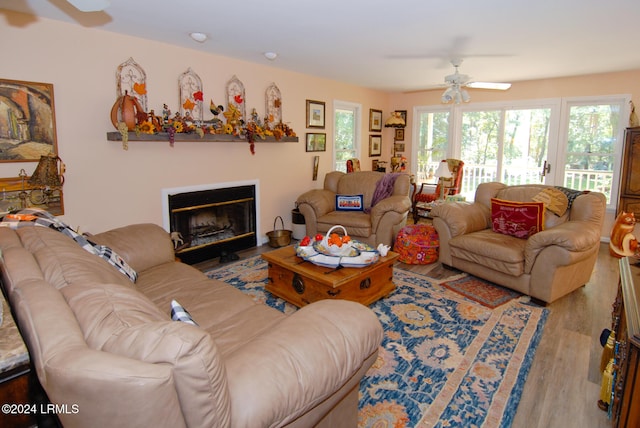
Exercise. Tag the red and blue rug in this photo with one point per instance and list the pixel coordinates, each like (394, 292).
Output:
(484, 292)
(445, 360)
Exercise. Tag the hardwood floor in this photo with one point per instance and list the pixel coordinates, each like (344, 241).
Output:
(563, 385)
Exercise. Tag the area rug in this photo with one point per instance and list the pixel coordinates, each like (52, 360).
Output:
(484, 292)
(445, 360)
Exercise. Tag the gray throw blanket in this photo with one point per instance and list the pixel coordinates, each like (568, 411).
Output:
(384, 188)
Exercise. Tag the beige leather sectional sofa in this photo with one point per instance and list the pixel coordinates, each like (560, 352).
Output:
(377, 224)
(547, 265)
(109, 347)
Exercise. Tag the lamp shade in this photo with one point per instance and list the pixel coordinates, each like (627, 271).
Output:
(46, 173)
(443, 170)
(395, 121)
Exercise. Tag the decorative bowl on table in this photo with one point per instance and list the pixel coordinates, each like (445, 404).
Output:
(335, 245)
(328, 252)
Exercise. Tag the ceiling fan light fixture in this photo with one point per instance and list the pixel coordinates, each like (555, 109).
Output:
(455, 94)
(448, 95)
(489, 85)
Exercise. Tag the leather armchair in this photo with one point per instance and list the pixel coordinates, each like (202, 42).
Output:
(377, 224)
(546, 266)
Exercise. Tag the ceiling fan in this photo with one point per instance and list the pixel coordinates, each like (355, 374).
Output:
(457, 82)
(90, 5)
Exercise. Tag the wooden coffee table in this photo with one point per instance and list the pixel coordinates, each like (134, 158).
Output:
(300, 282)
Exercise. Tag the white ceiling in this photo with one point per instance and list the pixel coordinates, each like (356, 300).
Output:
(400, 45)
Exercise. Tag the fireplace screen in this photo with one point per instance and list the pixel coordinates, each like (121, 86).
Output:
(206, 223)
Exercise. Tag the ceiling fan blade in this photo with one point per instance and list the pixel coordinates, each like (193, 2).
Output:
(90, 5)
(489, 85)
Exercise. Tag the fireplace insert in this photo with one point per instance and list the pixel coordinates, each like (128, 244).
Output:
(207, 223)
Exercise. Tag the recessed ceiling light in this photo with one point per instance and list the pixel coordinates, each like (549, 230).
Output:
(270, 55)
(198, 37)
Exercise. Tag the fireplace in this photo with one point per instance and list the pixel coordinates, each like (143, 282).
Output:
(208, 220)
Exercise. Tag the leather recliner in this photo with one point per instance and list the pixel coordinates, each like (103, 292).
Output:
(546, 266)
(377, 224)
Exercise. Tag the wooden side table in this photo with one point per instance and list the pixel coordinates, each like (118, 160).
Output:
(17, 409)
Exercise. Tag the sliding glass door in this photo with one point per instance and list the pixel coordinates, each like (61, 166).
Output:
(574, 143)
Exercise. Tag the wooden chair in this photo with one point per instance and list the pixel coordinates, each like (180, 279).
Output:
(421, 201)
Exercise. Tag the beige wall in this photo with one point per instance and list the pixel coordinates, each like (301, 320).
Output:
(108, 187)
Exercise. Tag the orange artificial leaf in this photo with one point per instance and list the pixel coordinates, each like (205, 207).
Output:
(140, 88)
(188, 104)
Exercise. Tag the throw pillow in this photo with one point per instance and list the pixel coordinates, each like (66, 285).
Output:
(554, 200)
(178, 313)
(349, 202)
(519, 219)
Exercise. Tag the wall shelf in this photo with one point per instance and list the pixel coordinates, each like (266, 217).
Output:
(195, 138)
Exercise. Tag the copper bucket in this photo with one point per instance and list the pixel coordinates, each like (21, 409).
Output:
(279, 237)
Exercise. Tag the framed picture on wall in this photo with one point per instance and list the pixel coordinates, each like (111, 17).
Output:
(29, 125)
(375, 145)
(315, 114)
(316, 142)
(375, 120)
(403, 115)
(399, 136)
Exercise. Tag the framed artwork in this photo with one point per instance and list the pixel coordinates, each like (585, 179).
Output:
(399, 136)
(316, 162)
(375, 120)
(315, 114)
(316, 142)
(28, 122)
(403, 114)
(398, 147)
(375, 145)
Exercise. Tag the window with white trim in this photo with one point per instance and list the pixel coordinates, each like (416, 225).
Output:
(346, 133)
(573, 142)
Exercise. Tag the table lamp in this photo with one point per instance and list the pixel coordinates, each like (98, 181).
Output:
(442, 172)
(47, 177)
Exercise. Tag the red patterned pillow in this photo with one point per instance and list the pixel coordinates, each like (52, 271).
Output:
(519, 219)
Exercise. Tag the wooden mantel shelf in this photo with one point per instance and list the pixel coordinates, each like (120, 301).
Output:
(193, 138)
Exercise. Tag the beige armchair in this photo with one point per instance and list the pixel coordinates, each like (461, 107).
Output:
(547, 265)
(376, 222)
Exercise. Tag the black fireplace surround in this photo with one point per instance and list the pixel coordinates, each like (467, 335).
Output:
(211, 222)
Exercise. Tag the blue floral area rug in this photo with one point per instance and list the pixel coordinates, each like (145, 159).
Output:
(445, 361)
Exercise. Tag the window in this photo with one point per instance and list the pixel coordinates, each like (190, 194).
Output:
(433, 143)
(346, 133)
(509, 145)
(593, 133)
(573, 143)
